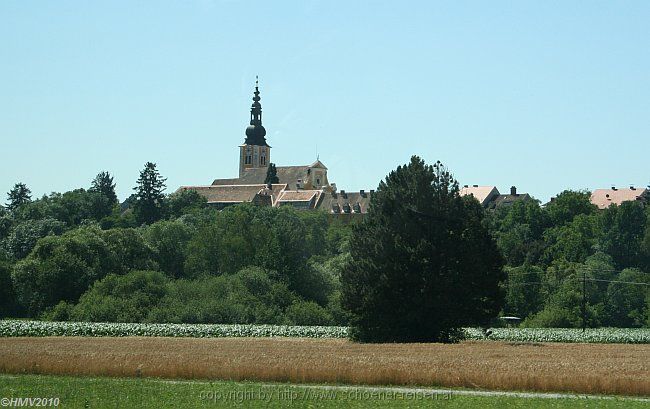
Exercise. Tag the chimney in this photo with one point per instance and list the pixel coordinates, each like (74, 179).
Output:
(475, 185)
(362, 193)
(372, 191)
(632, 188)
(614, 188)
(344, 194)
(513, 190)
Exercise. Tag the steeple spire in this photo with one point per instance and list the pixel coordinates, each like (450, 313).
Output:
(255, 132)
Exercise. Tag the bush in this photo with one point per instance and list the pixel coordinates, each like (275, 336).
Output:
(127, 298)
(61, 268)
(553, 317)
(249, 296)
(308, 313)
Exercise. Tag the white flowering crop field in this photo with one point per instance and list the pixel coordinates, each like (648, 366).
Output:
(21, 328)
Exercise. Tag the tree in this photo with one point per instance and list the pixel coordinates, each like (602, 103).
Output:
(149, 200)
(8, 306)
(18, 196)
(569, 204)
(103, 183)
(624, 228)
(518, 229)
(129, 250)
(626, 302)
(169, 240)
(573, 241)
(61, 268)
(523, 296)
(422, 263)
(24, 235)
(184, 202)
(271, 174)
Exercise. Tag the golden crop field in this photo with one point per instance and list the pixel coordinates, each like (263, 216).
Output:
(583, 368)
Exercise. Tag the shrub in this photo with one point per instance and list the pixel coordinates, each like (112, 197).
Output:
(308, 313)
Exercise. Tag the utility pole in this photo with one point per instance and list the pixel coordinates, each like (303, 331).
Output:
(584, 300)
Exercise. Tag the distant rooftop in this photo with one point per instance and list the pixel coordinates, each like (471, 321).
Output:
(603, 198)
(483, 194)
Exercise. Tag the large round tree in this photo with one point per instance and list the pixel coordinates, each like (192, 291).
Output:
(423, 264)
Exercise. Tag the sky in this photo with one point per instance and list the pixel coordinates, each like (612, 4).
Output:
(546, 95)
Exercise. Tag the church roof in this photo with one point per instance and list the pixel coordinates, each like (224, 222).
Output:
(286, 174)
(318, 164)
(298, 195)
(234, 193)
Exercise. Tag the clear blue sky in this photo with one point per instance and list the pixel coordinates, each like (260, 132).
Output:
(543, 95)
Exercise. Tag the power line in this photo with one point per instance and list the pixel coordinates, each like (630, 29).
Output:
(528, 283)
(524, 273)
(617, 281)
(580, 279)
(577, 270)
(609, 270)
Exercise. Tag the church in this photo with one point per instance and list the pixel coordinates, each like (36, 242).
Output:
(304, 187)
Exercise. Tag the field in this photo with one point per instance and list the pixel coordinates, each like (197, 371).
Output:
(20, 328)
(74, 392)
(494, 365)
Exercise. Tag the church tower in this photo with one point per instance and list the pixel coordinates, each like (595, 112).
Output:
(255, 152)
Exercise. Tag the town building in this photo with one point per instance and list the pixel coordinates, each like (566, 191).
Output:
(304, 187)
(484, 194)
(490, 198)
(603, 198)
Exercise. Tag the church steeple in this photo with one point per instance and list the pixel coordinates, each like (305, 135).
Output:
(255, 152)
(255, 132)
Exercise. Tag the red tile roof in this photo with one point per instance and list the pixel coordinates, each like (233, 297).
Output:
(481, 193)
(603, 198)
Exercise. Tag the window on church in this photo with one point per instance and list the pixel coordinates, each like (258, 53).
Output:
(263, 160)
(249, 158)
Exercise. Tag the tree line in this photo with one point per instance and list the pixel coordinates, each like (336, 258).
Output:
(422, 263)
(569, 253)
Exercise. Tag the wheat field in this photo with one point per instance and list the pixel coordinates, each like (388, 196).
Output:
(582, 368)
